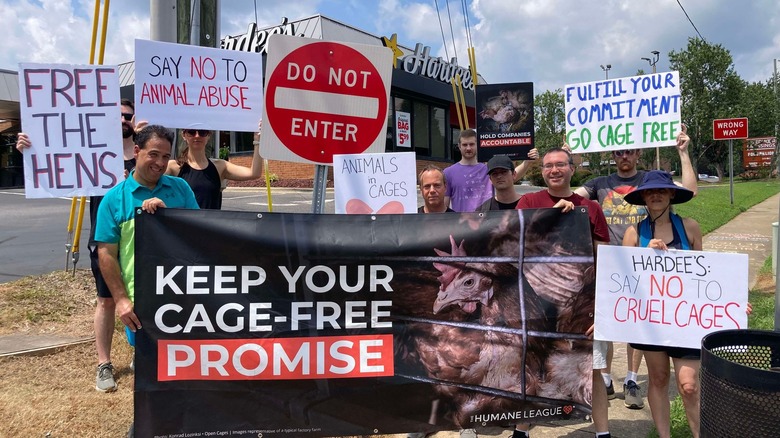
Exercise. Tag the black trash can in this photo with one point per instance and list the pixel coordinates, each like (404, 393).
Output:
(740, 384)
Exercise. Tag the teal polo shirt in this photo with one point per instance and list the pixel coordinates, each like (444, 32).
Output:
(116, 216)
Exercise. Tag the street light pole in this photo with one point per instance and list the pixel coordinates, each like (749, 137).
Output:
(653, 62)
(777, 262)
(606, 69)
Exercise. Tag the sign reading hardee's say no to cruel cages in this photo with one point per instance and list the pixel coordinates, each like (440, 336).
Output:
(72, 115)
(182, 86)
(623, 113)
(671, 298)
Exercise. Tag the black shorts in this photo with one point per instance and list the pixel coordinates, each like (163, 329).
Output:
(100, 284)
(675, 352)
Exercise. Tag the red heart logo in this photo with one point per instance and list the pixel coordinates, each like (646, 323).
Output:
(568, 409)
(356, 206)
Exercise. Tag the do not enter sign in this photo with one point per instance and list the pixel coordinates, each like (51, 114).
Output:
(324, 98)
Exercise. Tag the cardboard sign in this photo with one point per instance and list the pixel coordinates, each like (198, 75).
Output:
(324, 98)
(671, 298)
(182, 86)
(505, 122)
(375, 183)
(72, 115)
(624, 113)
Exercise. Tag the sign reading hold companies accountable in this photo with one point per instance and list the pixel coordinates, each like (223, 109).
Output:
(671, 298)
(324, 98)
(72, 115)
(505, 125)
(623, 113)
(730, 129)
(183, 86)
(317, 314)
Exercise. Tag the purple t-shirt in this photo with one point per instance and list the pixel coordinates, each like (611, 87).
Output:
(468, 186)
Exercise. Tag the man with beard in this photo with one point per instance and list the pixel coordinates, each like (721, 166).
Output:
(104, 310)
(609, 192)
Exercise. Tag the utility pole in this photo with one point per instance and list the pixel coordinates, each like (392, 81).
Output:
(653, 62)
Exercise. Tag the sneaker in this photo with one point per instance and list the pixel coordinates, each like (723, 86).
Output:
(611, 391)
(633, 396)
(104, 379)
(520, 434)
(417, 435)
(468, 433)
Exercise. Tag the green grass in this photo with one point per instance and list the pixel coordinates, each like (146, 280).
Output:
(712, 207)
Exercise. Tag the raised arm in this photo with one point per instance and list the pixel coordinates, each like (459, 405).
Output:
(688, 175)
(234, 172)
(523, 167)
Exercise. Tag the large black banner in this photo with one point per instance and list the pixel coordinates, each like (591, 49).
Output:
(324, 325)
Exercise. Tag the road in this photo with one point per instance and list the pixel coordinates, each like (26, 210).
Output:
(34, 231)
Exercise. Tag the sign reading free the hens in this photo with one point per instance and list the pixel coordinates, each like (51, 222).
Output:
(315, 315)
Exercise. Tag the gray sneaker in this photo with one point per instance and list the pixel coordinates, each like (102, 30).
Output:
(104, 379)
(468, 433)
(633, 396)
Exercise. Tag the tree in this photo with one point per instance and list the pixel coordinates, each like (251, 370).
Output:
(548, 120)
(710, 89)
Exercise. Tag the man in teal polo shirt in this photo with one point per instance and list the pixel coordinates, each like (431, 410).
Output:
(148, 188)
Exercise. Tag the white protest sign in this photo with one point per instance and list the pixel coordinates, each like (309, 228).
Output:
(669, 298)
(73, 118)
(182, 86)
(375, 183)
(624, 113)
(324, 98)
(403, 130)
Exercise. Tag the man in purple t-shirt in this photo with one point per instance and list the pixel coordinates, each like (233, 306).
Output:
(468, 184)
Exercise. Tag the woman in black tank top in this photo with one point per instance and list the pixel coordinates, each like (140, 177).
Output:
(204, 174)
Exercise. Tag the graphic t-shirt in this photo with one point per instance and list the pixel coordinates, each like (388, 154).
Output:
(468, 186)
(609, 191)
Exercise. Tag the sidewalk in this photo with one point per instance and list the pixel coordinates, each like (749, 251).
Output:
(749, 233)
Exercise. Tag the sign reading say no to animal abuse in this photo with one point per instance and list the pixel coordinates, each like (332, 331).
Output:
(324, 98)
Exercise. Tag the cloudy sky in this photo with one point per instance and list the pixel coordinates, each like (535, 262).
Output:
(549, 42)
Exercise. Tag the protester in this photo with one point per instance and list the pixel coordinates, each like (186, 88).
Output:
(469, 185)
(609, 191)
(205, 175)
(433, 185)
(662, 229)
(149, 188)
(502, 174)
(557, 171)
(104, 310)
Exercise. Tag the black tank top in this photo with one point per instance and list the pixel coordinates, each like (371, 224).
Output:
(206, 185)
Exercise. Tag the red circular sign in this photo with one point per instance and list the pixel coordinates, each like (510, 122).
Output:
(326, 98)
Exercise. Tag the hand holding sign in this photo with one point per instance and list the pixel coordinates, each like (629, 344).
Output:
(682, 138)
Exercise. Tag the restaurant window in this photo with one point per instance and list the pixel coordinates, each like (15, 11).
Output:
(428, 125)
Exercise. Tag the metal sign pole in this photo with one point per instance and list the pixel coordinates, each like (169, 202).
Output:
(731, 170)
(320, 185)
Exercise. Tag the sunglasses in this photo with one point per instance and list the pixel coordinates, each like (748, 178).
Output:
(627, 153)
(201, 132)
(127, 116)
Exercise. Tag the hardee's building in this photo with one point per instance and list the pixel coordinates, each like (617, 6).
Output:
(421, 95)
(421, 99)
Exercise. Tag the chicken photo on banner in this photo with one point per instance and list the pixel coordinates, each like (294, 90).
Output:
(502, 340)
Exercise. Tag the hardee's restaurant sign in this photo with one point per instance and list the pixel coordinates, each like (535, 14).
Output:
(257, 40)
(421, 63)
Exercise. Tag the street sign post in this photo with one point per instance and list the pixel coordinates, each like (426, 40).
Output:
(730, 129)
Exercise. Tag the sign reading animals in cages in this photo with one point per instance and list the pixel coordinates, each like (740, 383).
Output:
(295, 324)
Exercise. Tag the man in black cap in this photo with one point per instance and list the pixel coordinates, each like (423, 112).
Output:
(502, 174)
